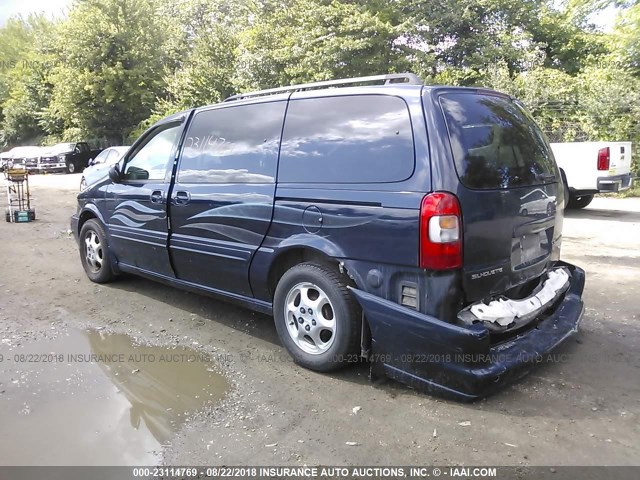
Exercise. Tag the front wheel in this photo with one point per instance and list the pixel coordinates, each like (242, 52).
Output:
(317, 318)
(579, 201)
(71, 167)
(94, 252)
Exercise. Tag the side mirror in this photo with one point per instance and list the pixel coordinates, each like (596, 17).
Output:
(90, 162)
(114, 173)
(136, 173)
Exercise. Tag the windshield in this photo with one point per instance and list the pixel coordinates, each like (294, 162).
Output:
(60, 148)
(18, 152)
(495, 143)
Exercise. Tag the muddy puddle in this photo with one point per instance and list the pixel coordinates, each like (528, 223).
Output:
(93, 398)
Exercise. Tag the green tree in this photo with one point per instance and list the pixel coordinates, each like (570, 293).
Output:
(473, 34)
(15, 41)
(610, 103)
(115, 66)
(112, 68)
(625, 39)
(205, 39)
(26, 56)
(303, 40)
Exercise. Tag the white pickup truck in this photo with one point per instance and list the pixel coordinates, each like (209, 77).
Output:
(593, 167)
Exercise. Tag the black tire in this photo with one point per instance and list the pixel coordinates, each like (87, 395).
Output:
(344, 309)
(7, 217)
(579, 201)
(100, 270)
(71, 167)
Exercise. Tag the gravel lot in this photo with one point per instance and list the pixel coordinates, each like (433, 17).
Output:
(254, 406)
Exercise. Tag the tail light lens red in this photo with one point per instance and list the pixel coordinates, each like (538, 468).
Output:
(440, 232)
(604, 158)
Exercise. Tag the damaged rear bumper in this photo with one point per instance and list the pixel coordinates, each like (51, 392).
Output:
(460, 362)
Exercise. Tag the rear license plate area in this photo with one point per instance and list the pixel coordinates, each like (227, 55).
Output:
(530, 248)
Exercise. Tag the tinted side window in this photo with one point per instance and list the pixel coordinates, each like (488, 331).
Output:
(495, 143)
(348, 139)
(233, 145)
(151, 160)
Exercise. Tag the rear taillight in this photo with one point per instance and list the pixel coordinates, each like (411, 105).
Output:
(604, 158)
(440, 232)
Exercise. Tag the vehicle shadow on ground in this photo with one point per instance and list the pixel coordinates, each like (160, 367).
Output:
(542, 388)
(604, 214)
(256, 324)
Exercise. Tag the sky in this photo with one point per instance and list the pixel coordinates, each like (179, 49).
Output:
(9, 8)
(604, 19)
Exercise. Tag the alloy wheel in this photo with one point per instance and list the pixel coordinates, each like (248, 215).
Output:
(310, 319)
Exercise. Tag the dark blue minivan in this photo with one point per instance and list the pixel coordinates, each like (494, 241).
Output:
(417, 227)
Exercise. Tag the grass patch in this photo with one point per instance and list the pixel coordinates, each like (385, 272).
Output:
(634, 191)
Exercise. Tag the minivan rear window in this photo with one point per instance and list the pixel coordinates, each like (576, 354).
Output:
(495, 142)
(347, 139)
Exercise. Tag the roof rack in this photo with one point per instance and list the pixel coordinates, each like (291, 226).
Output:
(389, 78)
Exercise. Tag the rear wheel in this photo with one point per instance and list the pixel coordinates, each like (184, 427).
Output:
(579, 201)
(94, 252)
(317, 318)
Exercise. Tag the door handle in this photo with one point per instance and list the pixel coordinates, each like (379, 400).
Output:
(157, 196)
(182, 198)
